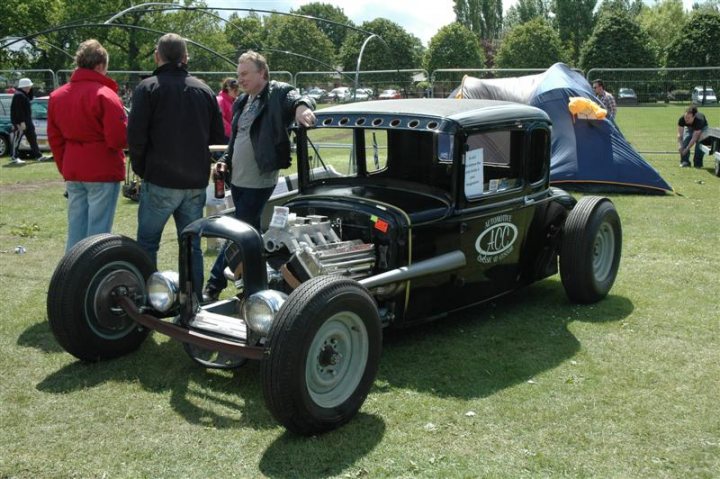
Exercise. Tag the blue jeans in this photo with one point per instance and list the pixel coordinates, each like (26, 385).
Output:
(91, 209)
(698, 155)
(249, 205)
(157, 204)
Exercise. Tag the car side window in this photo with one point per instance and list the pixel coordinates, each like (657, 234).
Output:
(331, 152)
(492, 163)
(39, 110)
(539, 152)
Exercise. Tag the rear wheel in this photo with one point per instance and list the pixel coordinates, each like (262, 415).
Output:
(324, 354)
(590, 251)
(81, 303)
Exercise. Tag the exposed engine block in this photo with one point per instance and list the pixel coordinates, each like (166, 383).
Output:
(316, 248)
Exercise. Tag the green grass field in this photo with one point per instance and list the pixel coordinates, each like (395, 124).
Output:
(532, 386)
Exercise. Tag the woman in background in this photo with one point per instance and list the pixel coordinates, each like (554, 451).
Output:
(228, 93)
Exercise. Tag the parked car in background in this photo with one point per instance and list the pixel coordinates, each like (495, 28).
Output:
(703, 97)
(369, 91)
(627, 96)
(340, 94)
(359, 95)
(5, 124)
(389, 95)
(318, 94)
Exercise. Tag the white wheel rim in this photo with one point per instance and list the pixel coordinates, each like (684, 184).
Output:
(337, 359)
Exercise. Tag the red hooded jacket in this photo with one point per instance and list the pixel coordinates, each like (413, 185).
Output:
(225, 102)
(87, 128)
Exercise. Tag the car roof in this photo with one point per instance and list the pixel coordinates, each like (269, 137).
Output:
(463, 112)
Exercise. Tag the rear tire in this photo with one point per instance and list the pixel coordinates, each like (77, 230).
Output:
(324, 349)
(590, 251)
(80, 305)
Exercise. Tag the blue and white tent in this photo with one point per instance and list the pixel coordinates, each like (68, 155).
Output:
(586, 154)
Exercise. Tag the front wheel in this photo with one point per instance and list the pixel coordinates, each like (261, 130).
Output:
(324, 352)
(590, 251)
(81, 305)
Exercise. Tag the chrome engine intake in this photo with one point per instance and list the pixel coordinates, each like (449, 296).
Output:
(317, 249)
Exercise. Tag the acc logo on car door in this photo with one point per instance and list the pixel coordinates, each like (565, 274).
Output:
(497, 240)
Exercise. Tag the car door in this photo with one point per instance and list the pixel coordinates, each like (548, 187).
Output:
(494, 211)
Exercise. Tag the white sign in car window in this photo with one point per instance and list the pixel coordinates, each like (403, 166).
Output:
(474, 173)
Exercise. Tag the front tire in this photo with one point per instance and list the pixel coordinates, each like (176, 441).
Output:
(81, 307)
(590, 251)
(325, 349)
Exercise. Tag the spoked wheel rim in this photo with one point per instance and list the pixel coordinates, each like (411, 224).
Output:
(603, 251)
(336, 359)
(102, 314)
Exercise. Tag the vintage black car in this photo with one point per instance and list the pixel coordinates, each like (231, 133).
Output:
(407, 210)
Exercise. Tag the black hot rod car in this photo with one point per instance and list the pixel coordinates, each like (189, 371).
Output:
(406, 210)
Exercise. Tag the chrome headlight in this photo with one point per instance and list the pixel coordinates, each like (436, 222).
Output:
(261, 308)
(163, 290)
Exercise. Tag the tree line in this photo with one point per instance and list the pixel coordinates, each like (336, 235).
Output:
(533, 34)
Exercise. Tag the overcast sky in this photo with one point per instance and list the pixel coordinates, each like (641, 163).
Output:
(422, 18)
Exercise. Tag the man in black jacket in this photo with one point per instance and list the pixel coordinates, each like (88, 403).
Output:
(259, 145)
(21, 119)
(173, 120)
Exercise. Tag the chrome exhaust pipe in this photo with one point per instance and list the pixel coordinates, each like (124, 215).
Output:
(439, 264)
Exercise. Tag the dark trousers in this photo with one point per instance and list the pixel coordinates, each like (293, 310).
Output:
(32, 139)
(249, 205)
(698, 154)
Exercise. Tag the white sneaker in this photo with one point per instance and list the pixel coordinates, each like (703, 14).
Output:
(17, 161)
(44, 158)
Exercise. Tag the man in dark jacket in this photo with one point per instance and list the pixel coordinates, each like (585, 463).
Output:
(692, 128)
(173, 120)
(259, 145)
(21, 119)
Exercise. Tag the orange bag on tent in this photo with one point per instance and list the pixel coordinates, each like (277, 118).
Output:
(586, 109)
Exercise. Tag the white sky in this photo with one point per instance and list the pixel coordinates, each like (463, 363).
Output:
(422, 18)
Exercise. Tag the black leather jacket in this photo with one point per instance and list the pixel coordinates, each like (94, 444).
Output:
(174, 117)
(269, 131)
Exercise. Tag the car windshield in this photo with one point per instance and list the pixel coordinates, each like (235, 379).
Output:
(347, 153)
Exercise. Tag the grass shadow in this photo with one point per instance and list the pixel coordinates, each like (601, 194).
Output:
(480, 351)
(40, 337)
(221, 399)
(329, 455)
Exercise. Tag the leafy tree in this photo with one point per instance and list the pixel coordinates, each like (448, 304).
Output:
(617, 41)
(336, 33)
(245, 33)
(454, 46)
(698, 44)
(300, 36)
(708, 6)
(661, 22)
(534, 44)
(483, 17)
(524, 11)
(395, 49)
(574, 20)
(631, 7)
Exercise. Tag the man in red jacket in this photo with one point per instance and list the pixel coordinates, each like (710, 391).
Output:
(87, 132)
